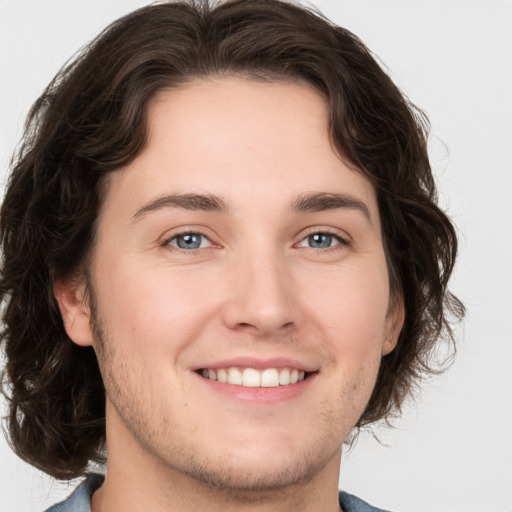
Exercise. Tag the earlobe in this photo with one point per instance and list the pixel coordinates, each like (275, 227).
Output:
(75, 314)
(395, 323)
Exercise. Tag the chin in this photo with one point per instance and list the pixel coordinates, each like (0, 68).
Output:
(246, 477)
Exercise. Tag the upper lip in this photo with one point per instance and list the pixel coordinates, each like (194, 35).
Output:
(259, 363)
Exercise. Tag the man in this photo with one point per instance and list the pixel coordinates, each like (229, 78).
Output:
(221, 256)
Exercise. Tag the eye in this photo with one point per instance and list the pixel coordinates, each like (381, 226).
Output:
(320, 241)
(189, 241)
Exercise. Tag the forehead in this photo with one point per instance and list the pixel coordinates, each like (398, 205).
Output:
(241, 139)
(235, 116)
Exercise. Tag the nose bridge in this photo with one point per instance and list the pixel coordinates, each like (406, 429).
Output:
(261, 291)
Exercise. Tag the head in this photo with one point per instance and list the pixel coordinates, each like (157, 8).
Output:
(90, 147)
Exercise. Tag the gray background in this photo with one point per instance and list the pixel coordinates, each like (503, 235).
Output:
(452, 450)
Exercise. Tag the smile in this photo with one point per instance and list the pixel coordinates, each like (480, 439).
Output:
(252, 378)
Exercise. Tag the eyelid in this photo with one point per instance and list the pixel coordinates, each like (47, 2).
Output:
(177, 232)
(200, 235)
(343, 238)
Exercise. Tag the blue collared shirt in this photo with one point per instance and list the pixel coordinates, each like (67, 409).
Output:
(80, 500)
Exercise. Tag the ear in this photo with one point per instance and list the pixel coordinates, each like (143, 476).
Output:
(75, 313)
(395, 322)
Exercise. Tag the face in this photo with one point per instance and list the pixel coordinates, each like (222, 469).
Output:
(240, 287)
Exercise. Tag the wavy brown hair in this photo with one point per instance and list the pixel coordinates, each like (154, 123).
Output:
(91, 120)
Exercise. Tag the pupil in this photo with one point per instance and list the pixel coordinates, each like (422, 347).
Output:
(190, 241)
(320, 240)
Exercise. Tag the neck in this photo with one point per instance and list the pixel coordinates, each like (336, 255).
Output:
(137, 481)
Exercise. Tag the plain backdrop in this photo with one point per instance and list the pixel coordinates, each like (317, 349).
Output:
(452, 450)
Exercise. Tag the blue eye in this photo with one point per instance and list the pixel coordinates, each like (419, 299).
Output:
(189, 241)
(320, 241)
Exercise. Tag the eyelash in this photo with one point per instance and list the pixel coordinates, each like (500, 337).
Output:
(341, 241)
(168, 241)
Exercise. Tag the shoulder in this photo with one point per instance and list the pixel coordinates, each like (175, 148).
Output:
(80, 500)
(351, 503)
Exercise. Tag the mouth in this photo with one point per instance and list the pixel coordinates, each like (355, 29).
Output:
(255, 378)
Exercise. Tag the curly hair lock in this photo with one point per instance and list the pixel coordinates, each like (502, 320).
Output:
(91, 120)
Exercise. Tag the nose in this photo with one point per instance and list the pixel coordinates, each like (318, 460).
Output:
(261, 297)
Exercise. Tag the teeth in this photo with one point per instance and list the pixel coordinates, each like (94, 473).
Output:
(270, 378)
(284, 377)
(252, 378)
(235, 376)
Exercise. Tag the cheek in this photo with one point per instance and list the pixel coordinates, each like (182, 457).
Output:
(155, 305)
(352, 307)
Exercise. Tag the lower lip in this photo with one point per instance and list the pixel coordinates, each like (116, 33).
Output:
(259, 395)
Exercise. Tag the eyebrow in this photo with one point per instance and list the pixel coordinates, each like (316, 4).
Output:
(204, 202)
(312, 202)
(322, 201)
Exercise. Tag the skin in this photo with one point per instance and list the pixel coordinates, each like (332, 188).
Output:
(257, 287)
